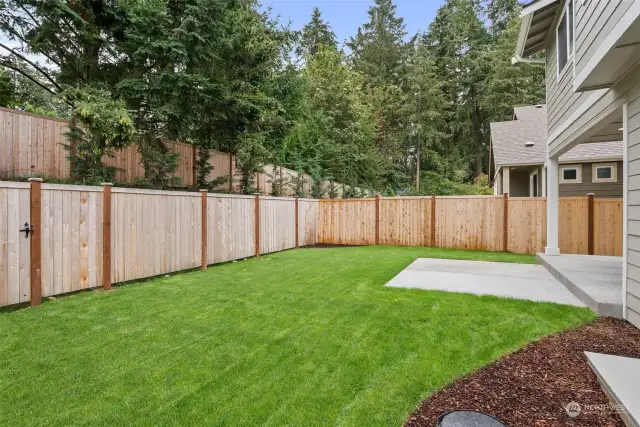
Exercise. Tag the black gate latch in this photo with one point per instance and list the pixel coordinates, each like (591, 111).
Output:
(27, 229)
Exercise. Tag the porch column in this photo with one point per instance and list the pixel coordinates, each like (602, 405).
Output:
(544, 180)
(505, 180)
(553, 200)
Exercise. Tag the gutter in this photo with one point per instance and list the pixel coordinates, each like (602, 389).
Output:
(517, 59)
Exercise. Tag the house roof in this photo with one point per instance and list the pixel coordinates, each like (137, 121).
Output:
(537, 18)
(512, 140)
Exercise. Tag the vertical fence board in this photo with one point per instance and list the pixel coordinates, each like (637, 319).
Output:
(277, 224)
(573, 225)
(608, 227)
(309, 221)
(527, 225)
(231, 227)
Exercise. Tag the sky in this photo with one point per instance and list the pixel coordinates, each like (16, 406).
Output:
(345, 16)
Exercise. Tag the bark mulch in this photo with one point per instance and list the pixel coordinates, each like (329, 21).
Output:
(532, 386)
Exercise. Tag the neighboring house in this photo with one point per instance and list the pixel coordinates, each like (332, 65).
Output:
(520, 152)
(592, 51)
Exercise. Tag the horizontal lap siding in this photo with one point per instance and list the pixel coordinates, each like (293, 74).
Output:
(633, 214)
(595, 21)
(154, 233)
(230, 228)
(277, 224)
(14, 247)
(598, 189)
(405, 221)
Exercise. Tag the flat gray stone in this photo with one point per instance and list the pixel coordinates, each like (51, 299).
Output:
(522, 281)
(620, 379)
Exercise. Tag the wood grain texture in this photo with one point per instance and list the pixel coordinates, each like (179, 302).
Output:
(231, 227)
(15, 269)
(405, 221)
(277, 224)
(347, 222)
(308, 221)
(527, 225)
(607, 221)
(573, 225)
(35, 249)
(470, 222)
(155, 234)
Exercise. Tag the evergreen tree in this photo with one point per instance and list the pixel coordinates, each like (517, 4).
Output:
(316, 33)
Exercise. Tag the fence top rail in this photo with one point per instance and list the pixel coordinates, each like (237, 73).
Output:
(282, 199)
(469, 197)
(525, 199)
(120, 190)
(37, 116)
(229, 196)
(348, 200)
(66, 187)
(306, 199)
(14, 184)
(575, 198)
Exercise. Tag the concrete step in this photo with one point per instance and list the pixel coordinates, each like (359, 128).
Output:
(620, 380)
(594, 280)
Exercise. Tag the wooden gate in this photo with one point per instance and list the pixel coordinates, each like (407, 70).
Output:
(14, 246)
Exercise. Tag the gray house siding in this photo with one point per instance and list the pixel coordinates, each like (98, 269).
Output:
(633, 205)
(562, 101)
(599, 189)
(594, 21)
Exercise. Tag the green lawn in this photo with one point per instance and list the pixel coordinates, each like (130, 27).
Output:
(301, 338)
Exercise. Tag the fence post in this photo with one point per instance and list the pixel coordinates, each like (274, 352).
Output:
(36, 241)
(205, 258)
(106, 235)
(378, 219)
(257, 225)
(433, 221)
(297, 222)
(505, 225)
(590, 224)
(194, 159)
(230, 173)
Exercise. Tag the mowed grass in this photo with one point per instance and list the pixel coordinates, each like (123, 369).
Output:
(302, 338)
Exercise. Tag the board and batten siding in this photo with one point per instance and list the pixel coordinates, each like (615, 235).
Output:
(633, 207)
(594, 21)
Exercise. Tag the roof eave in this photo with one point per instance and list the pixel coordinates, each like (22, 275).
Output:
(528, 12)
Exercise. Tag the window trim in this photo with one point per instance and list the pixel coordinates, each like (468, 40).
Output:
(614, 173)
(571, 45)
(578, 179)
(531, 175)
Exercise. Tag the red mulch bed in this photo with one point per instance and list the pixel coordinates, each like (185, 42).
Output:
(531, 386)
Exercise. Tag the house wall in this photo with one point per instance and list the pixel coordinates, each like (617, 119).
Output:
(599, 189)
(594, 21)
(633, 204)
(562, 101)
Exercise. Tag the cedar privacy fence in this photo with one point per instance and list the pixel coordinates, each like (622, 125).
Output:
(33, 146)
(83, 237)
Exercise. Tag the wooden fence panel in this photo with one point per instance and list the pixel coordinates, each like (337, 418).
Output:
(405, 221)
(154, 232)
(15, 252)
(347, 222)
(527, 225)
(31, 145)
(470, 222)
(231, 227)
(308, 221)
(277, 224)
(71, 238)
(573, 230)
(607, 220)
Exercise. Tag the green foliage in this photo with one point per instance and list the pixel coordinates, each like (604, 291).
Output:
(434, 183)
(100, 125)
(315, 34)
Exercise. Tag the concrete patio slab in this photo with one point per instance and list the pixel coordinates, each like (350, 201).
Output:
(521, 281)
(595, 280)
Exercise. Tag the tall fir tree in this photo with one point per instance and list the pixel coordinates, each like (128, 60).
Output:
(316, 33)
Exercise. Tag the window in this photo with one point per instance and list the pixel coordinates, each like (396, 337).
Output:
(605, 172)
(564, 38)
(571, 174)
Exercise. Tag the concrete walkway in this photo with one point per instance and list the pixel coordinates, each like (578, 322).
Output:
(521, 281)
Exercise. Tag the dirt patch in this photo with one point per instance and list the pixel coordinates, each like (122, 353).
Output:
(531, 386)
